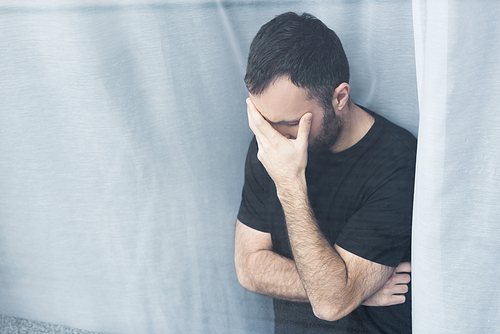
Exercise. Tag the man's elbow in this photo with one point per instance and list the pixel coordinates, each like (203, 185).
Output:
(244, 275)
(244, 280)
(329, 312)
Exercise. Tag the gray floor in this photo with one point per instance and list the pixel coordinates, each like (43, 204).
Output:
(10, 325)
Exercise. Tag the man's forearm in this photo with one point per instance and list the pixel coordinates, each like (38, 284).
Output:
(274, 275)
(321, 269)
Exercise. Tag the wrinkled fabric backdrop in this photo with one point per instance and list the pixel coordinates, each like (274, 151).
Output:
(123, 134)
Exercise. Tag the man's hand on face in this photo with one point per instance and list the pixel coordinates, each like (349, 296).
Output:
(285, 159)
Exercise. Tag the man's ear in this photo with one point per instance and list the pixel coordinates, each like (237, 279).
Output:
(340, 99)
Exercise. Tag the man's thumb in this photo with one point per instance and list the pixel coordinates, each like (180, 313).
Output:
(305, 127)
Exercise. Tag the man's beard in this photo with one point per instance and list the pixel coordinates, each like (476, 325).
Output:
(331, 128)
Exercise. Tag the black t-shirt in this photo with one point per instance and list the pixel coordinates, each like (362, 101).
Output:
(362, 200)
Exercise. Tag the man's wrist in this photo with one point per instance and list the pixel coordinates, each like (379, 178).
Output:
(291, 189)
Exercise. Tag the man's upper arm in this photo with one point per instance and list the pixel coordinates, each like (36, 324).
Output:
(248, 241)
(253, 207)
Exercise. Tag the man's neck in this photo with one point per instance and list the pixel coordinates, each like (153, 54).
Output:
(357, 123)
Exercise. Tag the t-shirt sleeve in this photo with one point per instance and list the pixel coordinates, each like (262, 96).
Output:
(380, 231)
(253, 210)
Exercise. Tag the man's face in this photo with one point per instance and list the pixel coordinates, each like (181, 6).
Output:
(282, 104)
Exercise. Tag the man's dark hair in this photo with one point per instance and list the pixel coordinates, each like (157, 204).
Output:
(302, 48)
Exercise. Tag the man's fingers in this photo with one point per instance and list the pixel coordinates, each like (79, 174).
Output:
(304, 127)
(257, 123)
(401, 279)
(404, 267)
(250, 113)
(401, 289)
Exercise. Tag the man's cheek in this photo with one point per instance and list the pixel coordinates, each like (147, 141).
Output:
(316, 128)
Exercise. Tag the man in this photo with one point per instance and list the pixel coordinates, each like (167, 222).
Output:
(325, 217)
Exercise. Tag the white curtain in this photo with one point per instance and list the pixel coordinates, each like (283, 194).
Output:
(456, 231)
(122, 141)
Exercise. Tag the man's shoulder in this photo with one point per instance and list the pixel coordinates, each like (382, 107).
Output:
(393, 137)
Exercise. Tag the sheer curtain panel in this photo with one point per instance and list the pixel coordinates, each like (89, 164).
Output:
(123, 133)
(456, 230)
